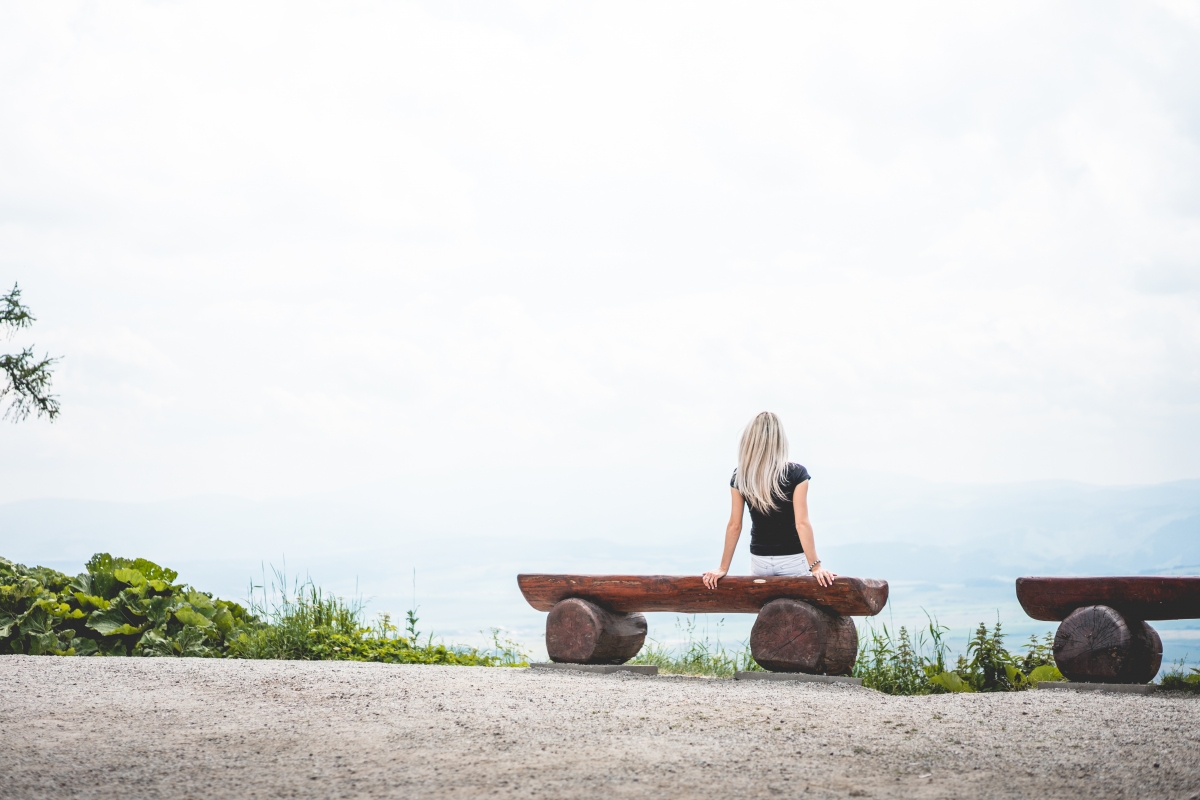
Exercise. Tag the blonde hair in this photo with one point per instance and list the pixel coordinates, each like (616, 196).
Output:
(762, 462)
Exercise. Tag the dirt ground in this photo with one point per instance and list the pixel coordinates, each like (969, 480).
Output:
(199, 728)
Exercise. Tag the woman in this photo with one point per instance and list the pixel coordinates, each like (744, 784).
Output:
(781, 537)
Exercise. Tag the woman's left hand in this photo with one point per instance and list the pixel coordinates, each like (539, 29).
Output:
(824, 576)
(710, 578)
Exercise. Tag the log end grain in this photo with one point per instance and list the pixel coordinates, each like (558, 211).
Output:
(1098, 644)
(794, 636)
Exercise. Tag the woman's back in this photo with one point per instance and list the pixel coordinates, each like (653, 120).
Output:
(773, 532)
(781, 539)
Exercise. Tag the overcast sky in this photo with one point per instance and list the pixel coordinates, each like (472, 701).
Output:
(289, 248)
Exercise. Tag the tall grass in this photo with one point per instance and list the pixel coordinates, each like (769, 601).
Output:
(1181, 679)
(300, 621)
(293, 619)
(697, 655)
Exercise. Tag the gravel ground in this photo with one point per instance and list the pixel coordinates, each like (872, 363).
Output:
(183, 728)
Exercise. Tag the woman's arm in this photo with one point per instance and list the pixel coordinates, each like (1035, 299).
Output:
(733, 532)
(804, 528)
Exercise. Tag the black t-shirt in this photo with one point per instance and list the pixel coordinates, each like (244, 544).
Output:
(773, 533)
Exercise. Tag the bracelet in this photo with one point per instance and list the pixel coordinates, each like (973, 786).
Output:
(813, 565)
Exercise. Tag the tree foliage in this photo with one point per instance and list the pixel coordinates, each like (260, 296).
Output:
(26, 377)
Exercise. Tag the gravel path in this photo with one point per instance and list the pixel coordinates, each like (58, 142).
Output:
(196, 728)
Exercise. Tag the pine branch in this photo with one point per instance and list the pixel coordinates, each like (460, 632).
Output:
(28, 380)
(12, 314)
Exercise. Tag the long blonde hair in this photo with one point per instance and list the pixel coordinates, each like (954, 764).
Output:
(762, 462)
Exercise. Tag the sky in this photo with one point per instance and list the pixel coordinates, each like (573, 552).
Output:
(531, 265)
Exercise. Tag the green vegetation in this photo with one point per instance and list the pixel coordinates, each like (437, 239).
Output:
(1181, 679)
(698, 656)
(893, 664)
(896, 664)
(23, 375)
(134, 607)
(123, 607)
(117, 607)
(306, 624)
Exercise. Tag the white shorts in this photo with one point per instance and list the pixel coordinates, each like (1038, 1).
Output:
(780, 565)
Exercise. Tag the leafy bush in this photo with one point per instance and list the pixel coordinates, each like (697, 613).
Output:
(116, 607)
(123, 607)
(897, 665)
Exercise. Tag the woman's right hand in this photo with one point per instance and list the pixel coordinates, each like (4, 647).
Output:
(710, 578)
(824, 576)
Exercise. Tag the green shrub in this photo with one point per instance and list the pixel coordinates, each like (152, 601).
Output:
(897, 665)
(124, 607)
(117, 607)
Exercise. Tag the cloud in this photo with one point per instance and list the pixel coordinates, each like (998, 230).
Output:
(295, 248)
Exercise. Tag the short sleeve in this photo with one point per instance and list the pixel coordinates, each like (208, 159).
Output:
(733, 480)
(797, 475)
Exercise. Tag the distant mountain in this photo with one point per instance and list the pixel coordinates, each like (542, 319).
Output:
(1172, 549)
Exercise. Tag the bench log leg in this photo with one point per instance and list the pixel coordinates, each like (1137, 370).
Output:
(579, 632)
(841, 648)
(1097, 644)
(793, 636)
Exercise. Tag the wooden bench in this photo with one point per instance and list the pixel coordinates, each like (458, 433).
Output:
(1104, 637)
(801, 626)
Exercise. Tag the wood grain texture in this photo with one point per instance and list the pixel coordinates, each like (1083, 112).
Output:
(794, 636)
(789, 636)
(686, 594)
(1151, 654)
(1139, 597)
(579, 632)
(841, 648)
(1098, 644)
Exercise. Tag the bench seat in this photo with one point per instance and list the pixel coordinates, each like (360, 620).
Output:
(1140, 597)
(687, 594)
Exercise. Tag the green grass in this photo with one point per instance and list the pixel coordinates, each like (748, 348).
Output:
(304, 623)
(697, 656)
(893, 663)
(1181, 679)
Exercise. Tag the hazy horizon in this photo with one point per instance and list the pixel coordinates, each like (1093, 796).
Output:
(948, 550)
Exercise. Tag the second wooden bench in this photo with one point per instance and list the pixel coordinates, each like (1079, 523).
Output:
(1104, 637)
